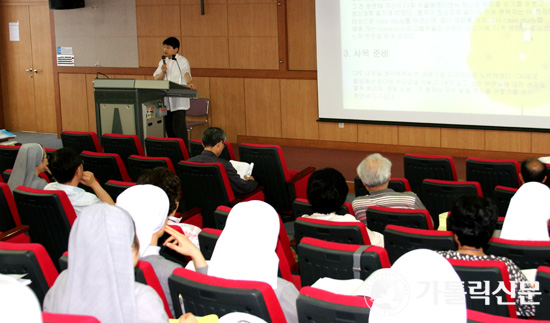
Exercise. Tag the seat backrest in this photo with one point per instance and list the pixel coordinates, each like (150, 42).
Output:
(302, 206)
(343, 232)
(319, 306)
(202, 295)
(114, 188)
(67, 318)
(271, 172)
(123, 145)
(136, 164)
(152, 280)
(542, 310)
(490, 172)
(319, 258)
(220, 216)
(420, 167)
(204, 185)
(80, 141)
(50, 216)
(481, 281)
(439, 196)
(173, 148)
(8, 154)
(198, 107)
(105, 166)
(503, 196)
(208, 238)
(525, 254)
(31, 259)
(195, 147)
(9, 216)
(399, 240)
(378, 217)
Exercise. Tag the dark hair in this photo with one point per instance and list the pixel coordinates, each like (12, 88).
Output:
(326, 190)
(165, 179)
(172, 41)
(473, 219)
(212, 135)
(63, 164)
(533, 170)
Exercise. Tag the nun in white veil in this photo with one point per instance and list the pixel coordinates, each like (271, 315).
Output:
(100, 278)
(246, 251)
(18, 303)
(30, 162)
(528, 214)
(421, 286)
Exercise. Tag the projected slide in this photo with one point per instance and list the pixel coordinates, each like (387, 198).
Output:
(461, 62)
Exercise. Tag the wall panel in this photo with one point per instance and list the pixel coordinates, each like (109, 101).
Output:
(302, 51)
(463, 138)
(156, 2)
(150, 51)
(206, 52)
(510, 141)
(263, 107)
(420, 136)
(252, 19)
(212, 23)
(74, 104)
(254, 53)
(540, 143)
(331, 131)
(378, 134)
(227, 102)
(299, 109)
(158, 21)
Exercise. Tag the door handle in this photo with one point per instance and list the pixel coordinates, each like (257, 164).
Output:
(28, 70)
(36, 71)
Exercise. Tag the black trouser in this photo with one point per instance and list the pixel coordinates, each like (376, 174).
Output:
(176, 126)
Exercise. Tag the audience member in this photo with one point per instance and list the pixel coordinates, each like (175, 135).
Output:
(532, 170)
(375, 173)
(148, 206)
(246, 251)
(103, 249)
(213, 141)
(528, 214)
(327, 191)
(67, 168)
(171, 184)
(421, 286)
(30, 162)
(18, 303)
(473, 220)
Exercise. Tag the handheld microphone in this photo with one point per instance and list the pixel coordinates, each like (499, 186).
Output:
(163, 59)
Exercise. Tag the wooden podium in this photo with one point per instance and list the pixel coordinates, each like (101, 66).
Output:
(134, 107)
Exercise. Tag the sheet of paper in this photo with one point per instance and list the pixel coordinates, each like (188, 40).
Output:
(14, 31)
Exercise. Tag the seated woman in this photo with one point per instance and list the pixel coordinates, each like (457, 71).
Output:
(327, 191)
(148, 205)
(170, 183)
(246, 251)
(30, 162)
(473, 220)
(528, 214)
(103, 250)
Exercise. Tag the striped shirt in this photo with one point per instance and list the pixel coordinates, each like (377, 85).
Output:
(386, 198)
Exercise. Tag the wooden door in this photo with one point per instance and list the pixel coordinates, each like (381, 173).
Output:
(26, 69)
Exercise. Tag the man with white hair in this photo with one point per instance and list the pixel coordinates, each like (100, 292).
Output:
(375, 173)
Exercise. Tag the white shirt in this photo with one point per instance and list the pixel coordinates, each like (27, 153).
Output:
(176, 74)
(79, 198)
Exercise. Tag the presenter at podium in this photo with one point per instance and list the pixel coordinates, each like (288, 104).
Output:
(175, 68)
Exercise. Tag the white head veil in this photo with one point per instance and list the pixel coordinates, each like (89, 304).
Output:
(28, 157)
(18, 303)
(421, 286)
(246, 247)
(528, 214)
(100, 278)
(148, 205)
